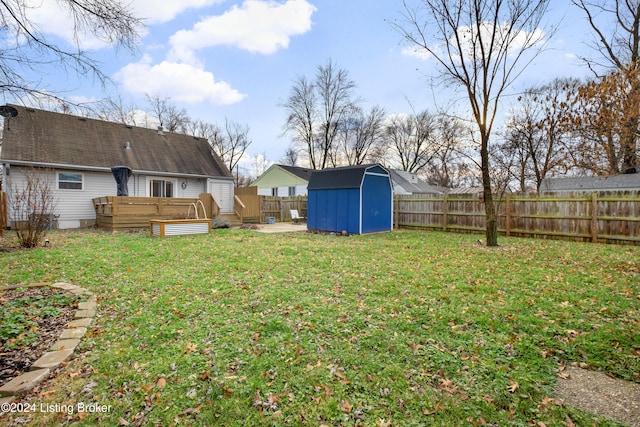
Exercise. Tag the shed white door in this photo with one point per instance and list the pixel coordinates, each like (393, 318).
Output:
(223, 193)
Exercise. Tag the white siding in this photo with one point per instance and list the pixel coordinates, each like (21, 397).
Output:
(70, 206)
(73, 206)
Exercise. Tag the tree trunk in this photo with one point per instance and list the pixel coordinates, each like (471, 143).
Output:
(491, 231)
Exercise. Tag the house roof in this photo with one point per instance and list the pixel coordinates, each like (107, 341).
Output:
(46, 138)
(303, 173)
(592, 183)
(410, 182)
(341, 178)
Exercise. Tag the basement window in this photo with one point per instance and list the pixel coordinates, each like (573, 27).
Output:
(70, 181)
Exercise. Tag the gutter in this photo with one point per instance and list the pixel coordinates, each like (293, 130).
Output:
(107, 169)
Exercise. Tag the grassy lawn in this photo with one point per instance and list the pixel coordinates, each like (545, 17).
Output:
(404, 328)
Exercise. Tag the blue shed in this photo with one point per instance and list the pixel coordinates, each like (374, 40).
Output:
(355, 199)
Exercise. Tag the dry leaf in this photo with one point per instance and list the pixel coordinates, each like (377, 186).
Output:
(345, 406)
(162, 383)
(513, 387)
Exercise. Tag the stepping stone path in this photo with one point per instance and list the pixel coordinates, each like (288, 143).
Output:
(60, 351)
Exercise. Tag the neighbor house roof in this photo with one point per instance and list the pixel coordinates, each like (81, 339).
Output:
(303, 173)
(340, 178)
(45, 138)
(410, 183)
(592, 183)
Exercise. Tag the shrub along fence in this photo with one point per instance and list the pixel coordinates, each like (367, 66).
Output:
(609, 217)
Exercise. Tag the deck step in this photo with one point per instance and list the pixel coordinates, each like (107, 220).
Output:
(232, 218)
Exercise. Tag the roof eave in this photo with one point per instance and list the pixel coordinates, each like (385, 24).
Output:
(107, 169)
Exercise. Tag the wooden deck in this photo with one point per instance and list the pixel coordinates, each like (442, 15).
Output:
(121, 212)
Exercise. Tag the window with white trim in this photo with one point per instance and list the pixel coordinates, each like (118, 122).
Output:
(274, 191)
(292, 191)
(70, 181)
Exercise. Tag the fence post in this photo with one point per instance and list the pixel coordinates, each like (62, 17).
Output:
(507, 218)
(594, 217)
(445, 208)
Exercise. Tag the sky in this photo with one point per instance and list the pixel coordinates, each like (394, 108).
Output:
(237, 60)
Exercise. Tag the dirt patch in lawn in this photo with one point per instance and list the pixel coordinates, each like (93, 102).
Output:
(599, 394)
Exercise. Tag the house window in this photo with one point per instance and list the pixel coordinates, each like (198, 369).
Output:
(292, 191)
(161, 188)
(274, 192)
(70, 181)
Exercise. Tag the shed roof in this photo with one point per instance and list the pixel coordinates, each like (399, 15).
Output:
(593, 183)
(46, 138)
(341, 178)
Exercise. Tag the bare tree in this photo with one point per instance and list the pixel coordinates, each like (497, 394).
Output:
(302, 115)
(290, 157)
(449, 167)
(169, 116)
(316, 109)
(230, 143)
(483, 46)
(412, 140)
(359, 134)
(537, 135)
(28, 48)
(616, 25)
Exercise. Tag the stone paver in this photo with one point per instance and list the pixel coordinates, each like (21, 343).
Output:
(85, 313)
(73, 333)
(70, 344)
(52, 359)
(83, 322)
(87, 305)
(25, 382)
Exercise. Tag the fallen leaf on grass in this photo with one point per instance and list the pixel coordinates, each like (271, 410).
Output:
(513, 386)
(345, 406)
(162, 383)
(438, 407)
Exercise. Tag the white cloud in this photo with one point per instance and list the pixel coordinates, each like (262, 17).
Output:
(471, 36)
(52, 17)
(256, 26)
(154, 11)
(180, 82)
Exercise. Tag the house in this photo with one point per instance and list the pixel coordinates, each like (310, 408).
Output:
(627, 182)
(77, 154)
(355, 199)
(283, 180)
(409, 183)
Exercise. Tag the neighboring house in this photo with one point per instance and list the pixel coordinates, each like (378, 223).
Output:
(76, 154)
(283, 181)
(628, 182)
(408, 183)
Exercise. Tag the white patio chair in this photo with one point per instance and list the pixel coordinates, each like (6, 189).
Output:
(295, 216)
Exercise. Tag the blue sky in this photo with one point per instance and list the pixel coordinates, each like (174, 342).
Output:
(237, 59)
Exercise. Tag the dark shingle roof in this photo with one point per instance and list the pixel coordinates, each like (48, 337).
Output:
(304, 173)
(592, 183)
(54, 139)
(339, 178)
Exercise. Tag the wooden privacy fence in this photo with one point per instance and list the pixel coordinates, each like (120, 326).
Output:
(609, 217)
(280, 207)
